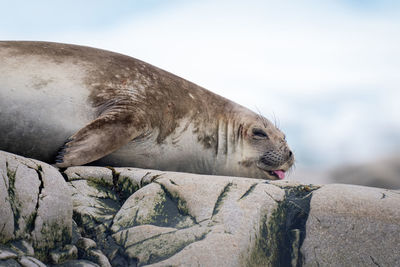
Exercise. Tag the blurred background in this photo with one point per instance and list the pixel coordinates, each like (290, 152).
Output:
(326, 71)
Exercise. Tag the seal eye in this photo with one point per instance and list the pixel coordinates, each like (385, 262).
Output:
(259, 133)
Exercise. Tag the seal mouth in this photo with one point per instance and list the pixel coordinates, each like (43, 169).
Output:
(274, 174)
(280, 174)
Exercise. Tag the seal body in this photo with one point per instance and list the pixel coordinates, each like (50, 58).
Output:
(72, 105)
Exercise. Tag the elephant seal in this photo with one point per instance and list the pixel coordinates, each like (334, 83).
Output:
(72, 105)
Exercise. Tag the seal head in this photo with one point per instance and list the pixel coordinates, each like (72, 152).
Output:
(264, 150)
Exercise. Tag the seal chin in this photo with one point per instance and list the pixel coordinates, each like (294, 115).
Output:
(272, 174)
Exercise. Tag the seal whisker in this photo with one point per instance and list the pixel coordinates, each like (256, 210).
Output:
(226, 137)
(217, 140)
(263, 120)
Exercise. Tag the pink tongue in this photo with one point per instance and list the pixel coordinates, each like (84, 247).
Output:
(280, 173)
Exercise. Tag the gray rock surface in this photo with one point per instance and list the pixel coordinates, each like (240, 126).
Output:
(36, 205)
(172, 219)
(96, 216)
(353, 226)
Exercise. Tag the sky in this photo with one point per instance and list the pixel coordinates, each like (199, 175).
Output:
(326, 71)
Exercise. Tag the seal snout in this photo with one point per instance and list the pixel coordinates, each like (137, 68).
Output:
(274, 158)
(275, 163)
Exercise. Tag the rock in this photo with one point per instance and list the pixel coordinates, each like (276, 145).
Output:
(129, 180)
(30, 262)
(6, 253)
(86, 244)
(353, 226)
(20, 193)
(9, 263)
(96, 174)
(40, 203)
(22, 247)
(134, 235)
(87, 248)
(78, 263)
(136, 217)
(172, 219)
(97, 256)
(94, 205)
(69, 252)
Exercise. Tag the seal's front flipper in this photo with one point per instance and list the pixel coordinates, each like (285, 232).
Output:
(102, 136)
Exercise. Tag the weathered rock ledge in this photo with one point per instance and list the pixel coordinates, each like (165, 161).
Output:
(96, 216)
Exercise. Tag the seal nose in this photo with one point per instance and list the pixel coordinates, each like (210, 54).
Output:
(289, 155)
